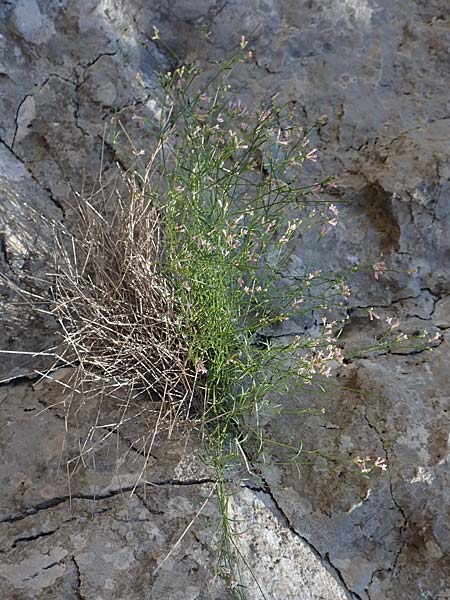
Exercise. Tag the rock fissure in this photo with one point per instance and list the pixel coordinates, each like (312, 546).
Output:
(88, 65)
(32, 510)
(32, 538)
(396, 301)
(76, 111)
(53, 502)
(4, 249)
(130, 445)
(56, 202)
(114, 154)
(397, 557)
(391, 490)
(283, 518)
(78, 578)
(46, 568)
(33, 377)
(374, 574)
(16, 118)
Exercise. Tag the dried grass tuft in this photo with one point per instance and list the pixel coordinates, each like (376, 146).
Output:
(117, 309)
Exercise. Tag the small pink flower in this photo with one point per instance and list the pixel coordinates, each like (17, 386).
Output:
(378, 269)
(334, 210)
(372, 315)
(391, 323)
(380, 463)
(436, 337)
(312, 155)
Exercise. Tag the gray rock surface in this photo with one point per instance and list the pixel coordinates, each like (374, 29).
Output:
(98, 537)
(379, 70)
(27, 218)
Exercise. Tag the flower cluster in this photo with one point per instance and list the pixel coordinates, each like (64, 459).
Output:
(367, 464)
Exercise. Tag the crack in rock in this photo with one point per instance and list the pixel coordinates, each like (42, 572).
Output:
(435, 298)
(56, 202)
(33, 377)
(53, 502)
(324, 559)
(4, 250)
(16, 117)
(31, 538)
(399, 508)
(32, 510)
(78, 578)
(129, 444)
(46, 568)
(91, 63)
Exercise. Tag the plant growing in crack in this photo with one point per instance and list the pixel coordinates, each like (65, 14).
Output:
(172, 293)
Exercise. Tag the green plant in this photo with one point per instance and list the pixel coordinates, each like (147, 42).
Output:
(174, 292)
(234, 209)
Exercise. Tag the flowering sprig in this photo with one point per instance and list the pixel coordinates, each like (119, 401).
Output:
(367, 464)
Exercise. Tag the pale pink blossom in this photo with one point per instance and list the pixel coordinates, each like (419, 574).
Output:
(378, 269)
(372, 314)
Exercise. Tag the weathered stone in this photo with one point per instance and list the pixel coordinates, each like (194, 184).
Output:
(93, 535)
(291, 568)
(376, 531)
(441, 315)
(379, 71)
(28, 217)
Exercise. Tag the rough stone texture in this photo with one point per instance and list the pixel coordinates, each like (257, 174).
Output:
(386, 533)
(98, 539)
(27, 215)
(379, 70)
(282, 566)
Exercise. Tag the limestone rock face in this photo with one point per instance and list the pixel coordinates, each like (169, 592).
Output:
(76, 74)
(28, 216)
